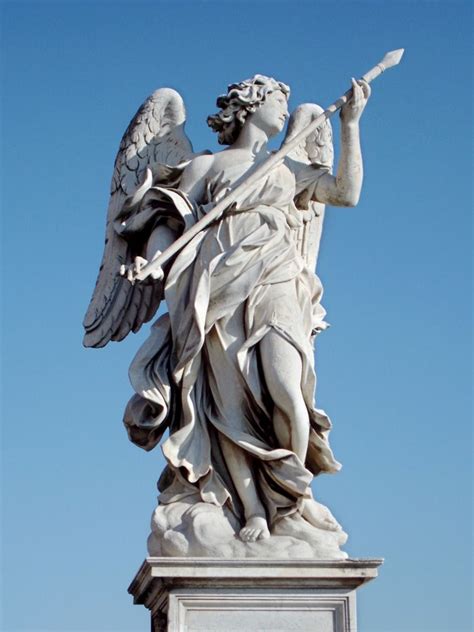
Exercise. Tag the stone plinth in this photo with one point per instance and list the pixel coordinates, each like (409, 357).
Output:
(250, 595)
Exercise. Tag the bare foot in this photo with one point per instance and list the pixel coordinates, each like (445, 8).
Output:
(319, 516)
(256, 528)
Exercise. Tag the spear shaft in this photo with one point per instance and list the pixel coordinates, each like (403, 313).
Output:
(391, 59)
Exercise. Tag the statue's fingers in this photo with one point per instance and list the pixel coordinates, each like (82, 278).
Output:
(356, 92)
(157, 274)
(140, 263)
(366, 89)
(354, 87)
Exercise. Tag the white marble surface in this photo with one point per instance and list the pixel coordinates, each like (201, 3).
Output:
(190, 529)
(229, 369)
(251, 595)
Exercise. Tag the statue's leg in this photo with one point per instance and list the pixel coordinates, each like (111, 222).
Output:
(282, 367)
(240, 468)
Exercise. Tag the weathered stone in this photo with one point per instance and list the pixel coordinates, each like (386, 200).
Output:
(261, 595)
(230, 241)
(229, 370)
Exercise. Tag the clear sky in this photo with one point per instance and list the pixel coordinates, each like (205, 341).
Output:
(394, 368)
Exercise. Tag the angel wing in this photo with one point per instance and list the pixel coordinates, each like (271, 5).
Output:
(154, 141)
(316, 151)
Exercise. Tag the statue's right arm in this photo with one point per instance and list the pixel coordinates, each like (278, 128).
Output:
(193, 184)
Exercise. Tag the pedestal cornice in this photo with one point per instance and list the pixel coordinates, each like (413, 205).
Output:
(158, 576)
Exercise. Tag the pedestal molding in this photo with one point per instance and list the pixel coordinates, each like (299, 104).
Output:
(185, 592)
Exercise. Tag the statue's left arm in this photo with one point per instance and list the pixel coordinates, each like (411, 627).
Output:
(344, 188)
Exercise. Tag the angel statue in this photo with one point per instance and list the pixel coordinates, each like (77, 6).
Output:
(228, 370)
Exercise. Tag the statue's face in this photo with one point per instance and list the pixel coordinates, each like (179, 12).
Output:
(271, 115)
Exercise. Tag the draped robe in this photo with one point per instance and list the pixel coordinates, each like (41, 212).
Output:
(199, 374)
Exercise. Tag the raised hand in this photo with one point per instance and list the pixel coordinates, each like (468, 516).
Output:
(352, 110)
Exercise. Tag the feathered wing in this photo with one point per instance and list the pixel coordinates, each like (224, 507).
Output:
(314, 155)
(155, 137)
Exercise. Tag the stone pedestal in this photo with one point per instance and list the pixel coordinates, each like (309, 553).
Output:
(250, 595)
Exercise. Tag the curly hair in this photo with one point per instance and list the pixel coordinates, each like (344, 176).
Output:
(241, 100)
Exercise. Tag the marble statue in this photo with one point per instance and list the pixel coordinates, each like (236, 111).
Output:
(228, 372)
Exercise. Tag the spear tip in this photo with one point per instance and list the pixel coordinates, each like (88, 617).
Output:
(392, 58)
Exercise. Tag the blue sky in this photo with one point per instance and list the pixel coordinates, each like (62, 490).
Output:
(394, 368)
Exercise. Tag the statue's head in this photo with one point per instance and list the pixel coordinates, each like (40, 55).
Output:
(241, 100)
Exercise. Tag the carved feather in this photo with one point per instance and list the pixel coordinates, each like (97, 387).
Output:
(154, 137)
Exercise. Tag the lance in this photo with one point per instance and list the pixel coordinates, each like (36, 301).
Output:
(391, 59)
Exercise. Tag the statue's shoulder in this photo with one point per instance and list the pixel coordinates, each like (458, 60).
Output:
(204, 159)
(230, 157)
(198, 167)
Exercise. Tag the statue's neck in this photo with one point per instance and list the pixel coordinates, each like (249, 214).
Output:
(252, 139)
